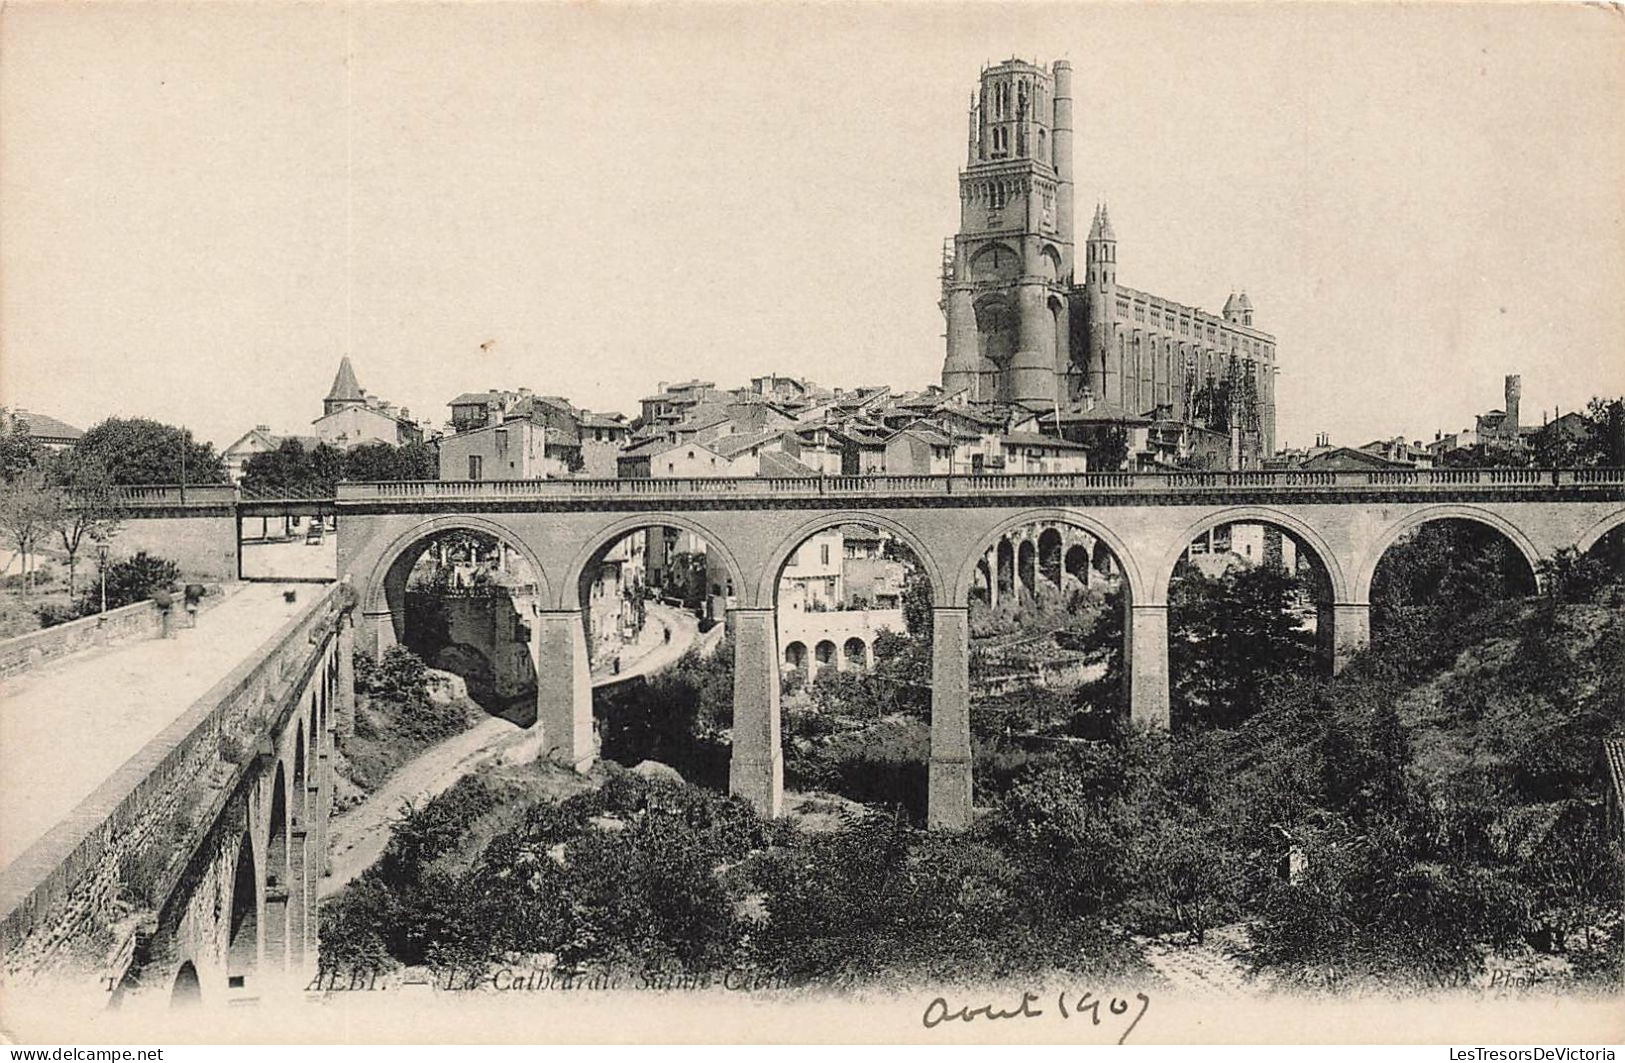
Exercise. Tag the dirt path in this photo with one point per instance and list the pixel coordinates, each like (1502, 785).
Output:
(358, 835)
(1211, 968)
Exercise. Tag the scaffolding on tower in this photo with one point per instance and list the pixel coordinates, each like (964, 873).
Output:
(1244, 394)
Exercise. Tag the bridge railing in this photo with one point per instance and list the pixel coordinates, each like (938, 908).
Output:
(941, 486)
(138, 496)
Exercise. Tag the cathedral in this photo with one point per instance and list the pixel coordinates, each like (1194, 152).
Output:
(1031, 323)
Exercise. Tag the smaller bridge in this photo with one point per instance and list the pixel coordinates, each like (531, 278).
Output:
(175, 855)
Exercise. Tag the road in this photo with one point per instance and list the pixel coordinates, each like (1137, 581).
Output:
(69, 725)
(358, 835)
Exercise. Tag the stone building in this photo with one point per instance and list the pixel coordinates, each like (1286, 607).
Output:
(1501, 426)
(518, 449)
(351, 417)
(1030, 323)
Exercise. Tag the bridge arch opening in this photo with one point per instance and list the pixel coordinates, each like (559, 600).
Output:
(1603, 552)
(1430, 572)
(796, 664)
(852, 606)
(301, 814)
(465, 599)
(1250, 597)
(243, 933)
(1047, 649)
(278, 872)
(187, 990)
(654, 597)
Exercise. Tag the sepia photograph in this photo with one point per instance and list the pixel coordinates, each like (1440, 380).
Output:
(743, 523)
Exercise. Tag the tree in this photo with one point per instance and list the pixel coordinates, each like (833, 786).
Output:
(1229, 636)
(1108, 452)
(291, 469)
(917, 605)
(26, 510)
(83, 505)
(1607, 440)
(137, 450)
(381, 461)
(19, 451)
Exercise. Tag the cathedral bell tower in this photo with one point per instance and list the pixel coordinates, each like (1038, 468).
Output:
(1006, 282)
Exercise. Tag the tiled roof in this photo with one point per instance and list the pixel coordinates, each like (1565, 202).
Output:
(650, 448)
(44, 426)
(703, 420)
(1040, 439)
(928, 432)
(777, 463)
(1103, 413)
(345, 388)
(470, 398)
(730, 446)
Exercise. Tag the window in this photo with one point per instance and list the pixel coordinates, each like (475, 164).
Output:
(475, 465)
(823, 554)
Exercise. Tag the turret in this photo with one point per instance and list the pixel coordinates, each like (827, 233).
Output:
(345, 391)
(1061, 149)
(1514, 392)
(1101, 253)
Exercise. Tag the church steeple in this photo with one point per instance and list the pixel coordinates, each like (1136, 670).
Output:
(345, 390)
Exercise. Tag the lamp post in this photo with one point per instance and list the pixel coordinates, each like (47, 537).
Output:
(101, 571)
(183, 466)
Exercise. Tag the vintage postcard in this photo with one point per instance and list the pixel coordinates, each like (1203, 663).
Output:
(742, 522)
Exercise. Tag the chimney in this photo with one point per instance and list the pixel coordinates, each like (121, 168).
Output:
(1514, 389)
(524, 393)
(265, 428)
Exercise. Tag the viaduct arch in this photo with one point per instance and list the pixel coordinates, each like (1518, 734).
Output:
(957, 528)
(1532, 554)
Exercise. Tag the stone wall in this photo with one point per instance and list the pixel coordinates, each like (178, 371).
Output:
(202, 545)
(20, 654)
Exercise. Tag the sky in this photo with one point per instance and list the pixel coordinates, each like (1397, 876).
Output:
(203, 207)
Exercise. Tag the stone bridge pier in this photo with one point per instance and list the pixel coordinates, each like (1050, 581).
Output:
(993, 541)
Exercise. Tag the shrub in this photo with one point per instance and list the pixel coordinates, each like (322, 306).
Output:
(231, 749)
(140, 875)
(131, 580)
(53, 613)
(397, 687)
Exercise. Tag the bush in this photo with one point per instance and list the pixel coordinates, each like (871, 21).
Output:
(52, 613)
(880, 900)
(397, 686)
(231, 749)
(131, 580)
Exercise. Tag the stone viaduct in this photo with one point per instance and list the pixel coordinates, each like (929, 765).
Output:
(191, 874)
(1345, 521)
